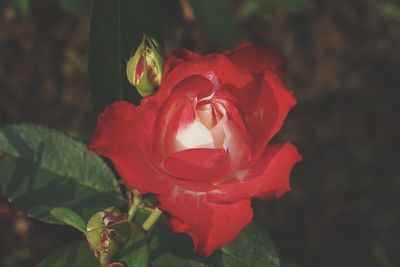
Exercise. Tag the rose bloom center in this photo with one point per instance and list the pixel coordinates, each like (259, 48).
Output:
(207, 129)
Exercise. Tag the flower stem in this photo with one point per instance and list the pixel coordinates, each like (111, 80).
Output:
(154, 215)
(137, 199)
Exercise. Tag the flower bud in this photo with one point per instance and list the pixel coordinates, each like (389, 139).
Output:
(145, 68)
(107, 232)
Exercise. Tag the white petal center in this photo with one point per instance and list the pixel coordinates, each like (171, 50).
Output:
(210, 129)
(195, 135)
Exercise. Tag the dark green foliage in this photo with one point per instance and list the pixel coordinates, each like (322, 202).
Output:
(252, 248)
(69, 217)
(75, 254)
(45, 169)
(136, 252)
(117, 28)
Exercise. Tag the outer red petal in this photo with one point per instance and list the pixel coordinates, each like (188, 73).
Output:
(193, 86)
(216, 68)
(212, 67)
(202, 164)
(257, 59)
(178, 56)
(268, 179)
(123, 134)
(210, 225)
(274, 101)
(265, 104)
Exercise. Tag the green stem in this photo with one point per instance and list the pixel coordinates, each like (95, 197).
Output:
(154, 215)
(137, 199)
(146, 208)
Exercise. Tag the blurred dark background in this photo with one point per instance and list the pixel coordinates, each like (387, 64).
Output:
(344, 67)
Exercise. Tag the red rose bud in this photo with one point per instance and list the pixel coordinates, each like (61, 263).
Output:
(145, 68)
(107, 232)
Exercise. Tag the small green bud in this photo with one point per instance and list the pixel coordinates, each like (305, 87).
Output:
(145, 68)
(107, 232)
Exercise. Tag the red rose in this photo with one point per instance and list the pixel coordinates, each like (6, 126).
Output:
(202, 142)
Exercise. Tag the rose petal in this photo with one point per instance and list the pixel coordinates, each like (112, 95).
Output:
(236, 145)
(123, 134)
(265, 104)
(257, 59)
(210, 225)
(178, 113)
(218, 133)
(205, 115)
(216, 68)
(194, 135)
(212, 67)
(175, 113)
(194, 86)
(273, 105)
(178, 56)
(233, 108)
(268, 179)
(198, 164)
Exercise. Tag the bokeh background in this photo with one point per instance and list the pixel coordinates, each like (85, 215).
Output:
(344, 67)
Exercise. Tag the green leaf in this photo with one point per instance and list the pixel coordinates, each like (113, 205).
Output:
(218, 19)
(69, 217)
(45, 169)
(75, 254)
(168, 249)
(252, 248)
(116, 30)
(136, 252)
